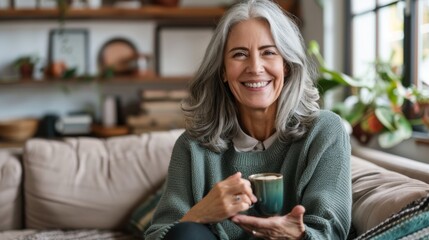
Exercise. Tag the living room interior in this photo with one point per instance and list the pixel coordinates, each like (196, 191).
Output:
(112, 70)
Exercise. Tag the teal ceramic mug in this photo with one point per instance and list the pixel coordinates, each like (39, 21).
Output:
(268, 188)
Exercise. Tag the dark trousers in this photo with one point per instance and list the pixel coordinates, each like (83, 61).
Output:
(190, 231)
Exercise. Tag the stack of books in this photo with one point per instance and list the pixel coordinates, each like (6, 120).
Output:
(160, 110)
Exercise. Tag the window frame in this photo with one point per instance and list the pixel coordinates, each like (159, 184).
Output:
(410, 42)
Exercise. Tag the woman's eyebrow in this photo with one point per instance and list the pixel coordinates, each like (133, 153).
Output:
(246, 49)
(267, 46)
(238, 48)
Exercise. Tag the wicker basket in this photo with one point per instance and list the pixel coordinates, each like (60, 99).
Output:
(18, 129)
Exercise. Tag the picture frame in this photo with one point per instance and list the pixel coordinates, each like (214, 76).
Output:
(189, 41)
(70, 46)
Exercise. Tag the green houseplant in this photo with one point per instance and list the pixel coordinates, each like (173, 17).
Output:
(25, 65)
(374, 105)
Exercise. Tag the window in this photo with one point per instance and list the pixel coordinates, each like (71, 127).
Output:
(423, 43)
(396, 31)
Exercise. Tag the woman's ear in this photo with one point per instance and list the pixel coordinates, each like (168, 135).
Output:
(286, 69)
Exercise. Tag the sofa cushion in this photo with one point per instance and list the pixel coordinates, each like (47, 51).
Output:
(412, 222)
(379, 193)
(10, 192)
(83, 234)
(142, 216)
(92, 183)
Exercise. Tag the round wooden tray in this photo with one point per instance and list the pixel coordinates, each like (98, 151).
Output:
(118, 55)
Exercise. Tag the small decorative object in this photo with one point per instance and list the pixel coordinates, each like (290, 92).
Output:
(18, 130)
(69, 46)
(56, 69)
(118, 56)
(145, 65)
(25, 65)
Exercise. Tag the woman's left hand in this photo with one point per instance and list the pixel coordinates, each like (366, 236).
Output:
(290, 226)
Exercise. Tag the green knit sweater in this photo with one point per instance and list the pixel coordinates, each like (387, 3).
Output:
(316, 173)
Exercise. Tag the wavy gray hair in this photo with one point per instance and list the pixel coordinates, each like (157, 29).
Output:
(210, 110)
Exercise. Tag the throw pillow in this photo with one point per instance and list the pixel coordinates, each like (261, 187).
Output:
(412, 222)
(142, 216)
(379, 193)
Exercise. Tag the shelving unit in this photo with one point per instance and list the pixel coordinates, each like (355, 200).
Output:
(143, 13)
(151, 12)
(117, 80)
(185, 16)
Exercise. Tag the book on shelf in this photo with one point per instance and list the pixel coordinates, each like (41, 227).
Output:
(159, 94)
(150, 107)
(146, 122)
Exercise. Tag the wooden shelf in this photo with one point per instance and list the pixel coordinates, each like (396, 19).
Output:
(117, 80)
(147, 12)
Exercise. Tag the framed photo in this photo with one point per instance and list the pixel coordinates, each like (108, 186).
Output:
(70, 46)
(184, 42)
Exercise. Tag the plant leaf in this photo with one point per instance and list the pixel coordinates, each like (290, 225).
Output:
(343, 78)
(356, 113)
(403, 125)
(385, 116)
(389, 139)
(323, 85)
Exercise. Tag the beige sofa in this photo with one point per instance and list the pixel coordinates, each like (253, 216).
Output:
(88, 188)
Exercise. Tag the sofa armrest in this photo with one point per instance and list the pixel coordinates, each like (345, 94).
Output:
(10, 192)
(405, 166)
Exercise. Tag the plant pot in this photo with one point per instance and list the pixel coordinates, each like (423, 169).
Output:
(56, 69)
(424, 113)
(26, 71)
(361, 135)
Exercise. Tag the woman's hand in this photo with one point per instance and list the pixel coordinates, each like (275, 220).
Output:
(290, 226)
(225, 199)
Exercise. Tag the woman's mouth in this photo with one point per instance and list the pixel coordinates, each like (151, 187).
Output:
(256, 84)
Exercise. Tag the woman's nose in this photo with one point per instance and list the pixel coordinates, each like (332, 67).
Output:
(255, 65)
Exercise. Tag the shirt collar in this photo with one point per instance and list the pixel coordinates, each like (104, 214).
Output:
(245, 143)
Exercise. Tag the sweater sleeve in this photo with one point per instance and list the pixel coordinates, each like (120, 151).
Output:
(177, 198)
(324, 187)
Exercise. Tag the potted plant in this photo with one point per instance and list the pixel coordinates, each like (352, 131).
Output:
(375, 104)
(25, 66)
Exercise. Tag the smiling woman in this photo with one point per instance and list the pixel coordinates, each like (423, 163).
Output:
(252, 108)
(254, 71)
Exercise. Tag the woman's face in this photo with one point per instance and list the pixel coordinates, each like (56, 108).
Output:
(254, 67)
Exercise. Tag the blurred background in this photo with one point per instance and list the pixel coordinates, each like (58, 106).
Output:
(112, 67)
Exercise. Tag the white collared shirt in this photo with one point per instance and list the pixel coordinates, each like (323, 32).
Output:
(245, 143)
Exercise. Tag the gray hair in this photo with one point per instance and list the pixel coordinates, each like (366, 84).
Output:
(210, 110)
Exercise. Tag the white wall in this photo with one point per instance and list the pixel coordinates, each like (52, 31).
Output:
(31, 37)
(19, 38)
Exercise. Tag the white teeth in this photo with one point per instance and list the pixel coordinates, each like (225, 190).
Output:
(256, 85)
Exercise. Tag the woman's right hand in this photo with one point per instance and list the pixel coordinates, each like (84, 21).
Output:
(225, 199)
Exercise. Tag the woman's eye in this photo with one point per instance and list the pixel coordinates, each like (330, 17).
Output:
(268, 52)
(239, 55)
